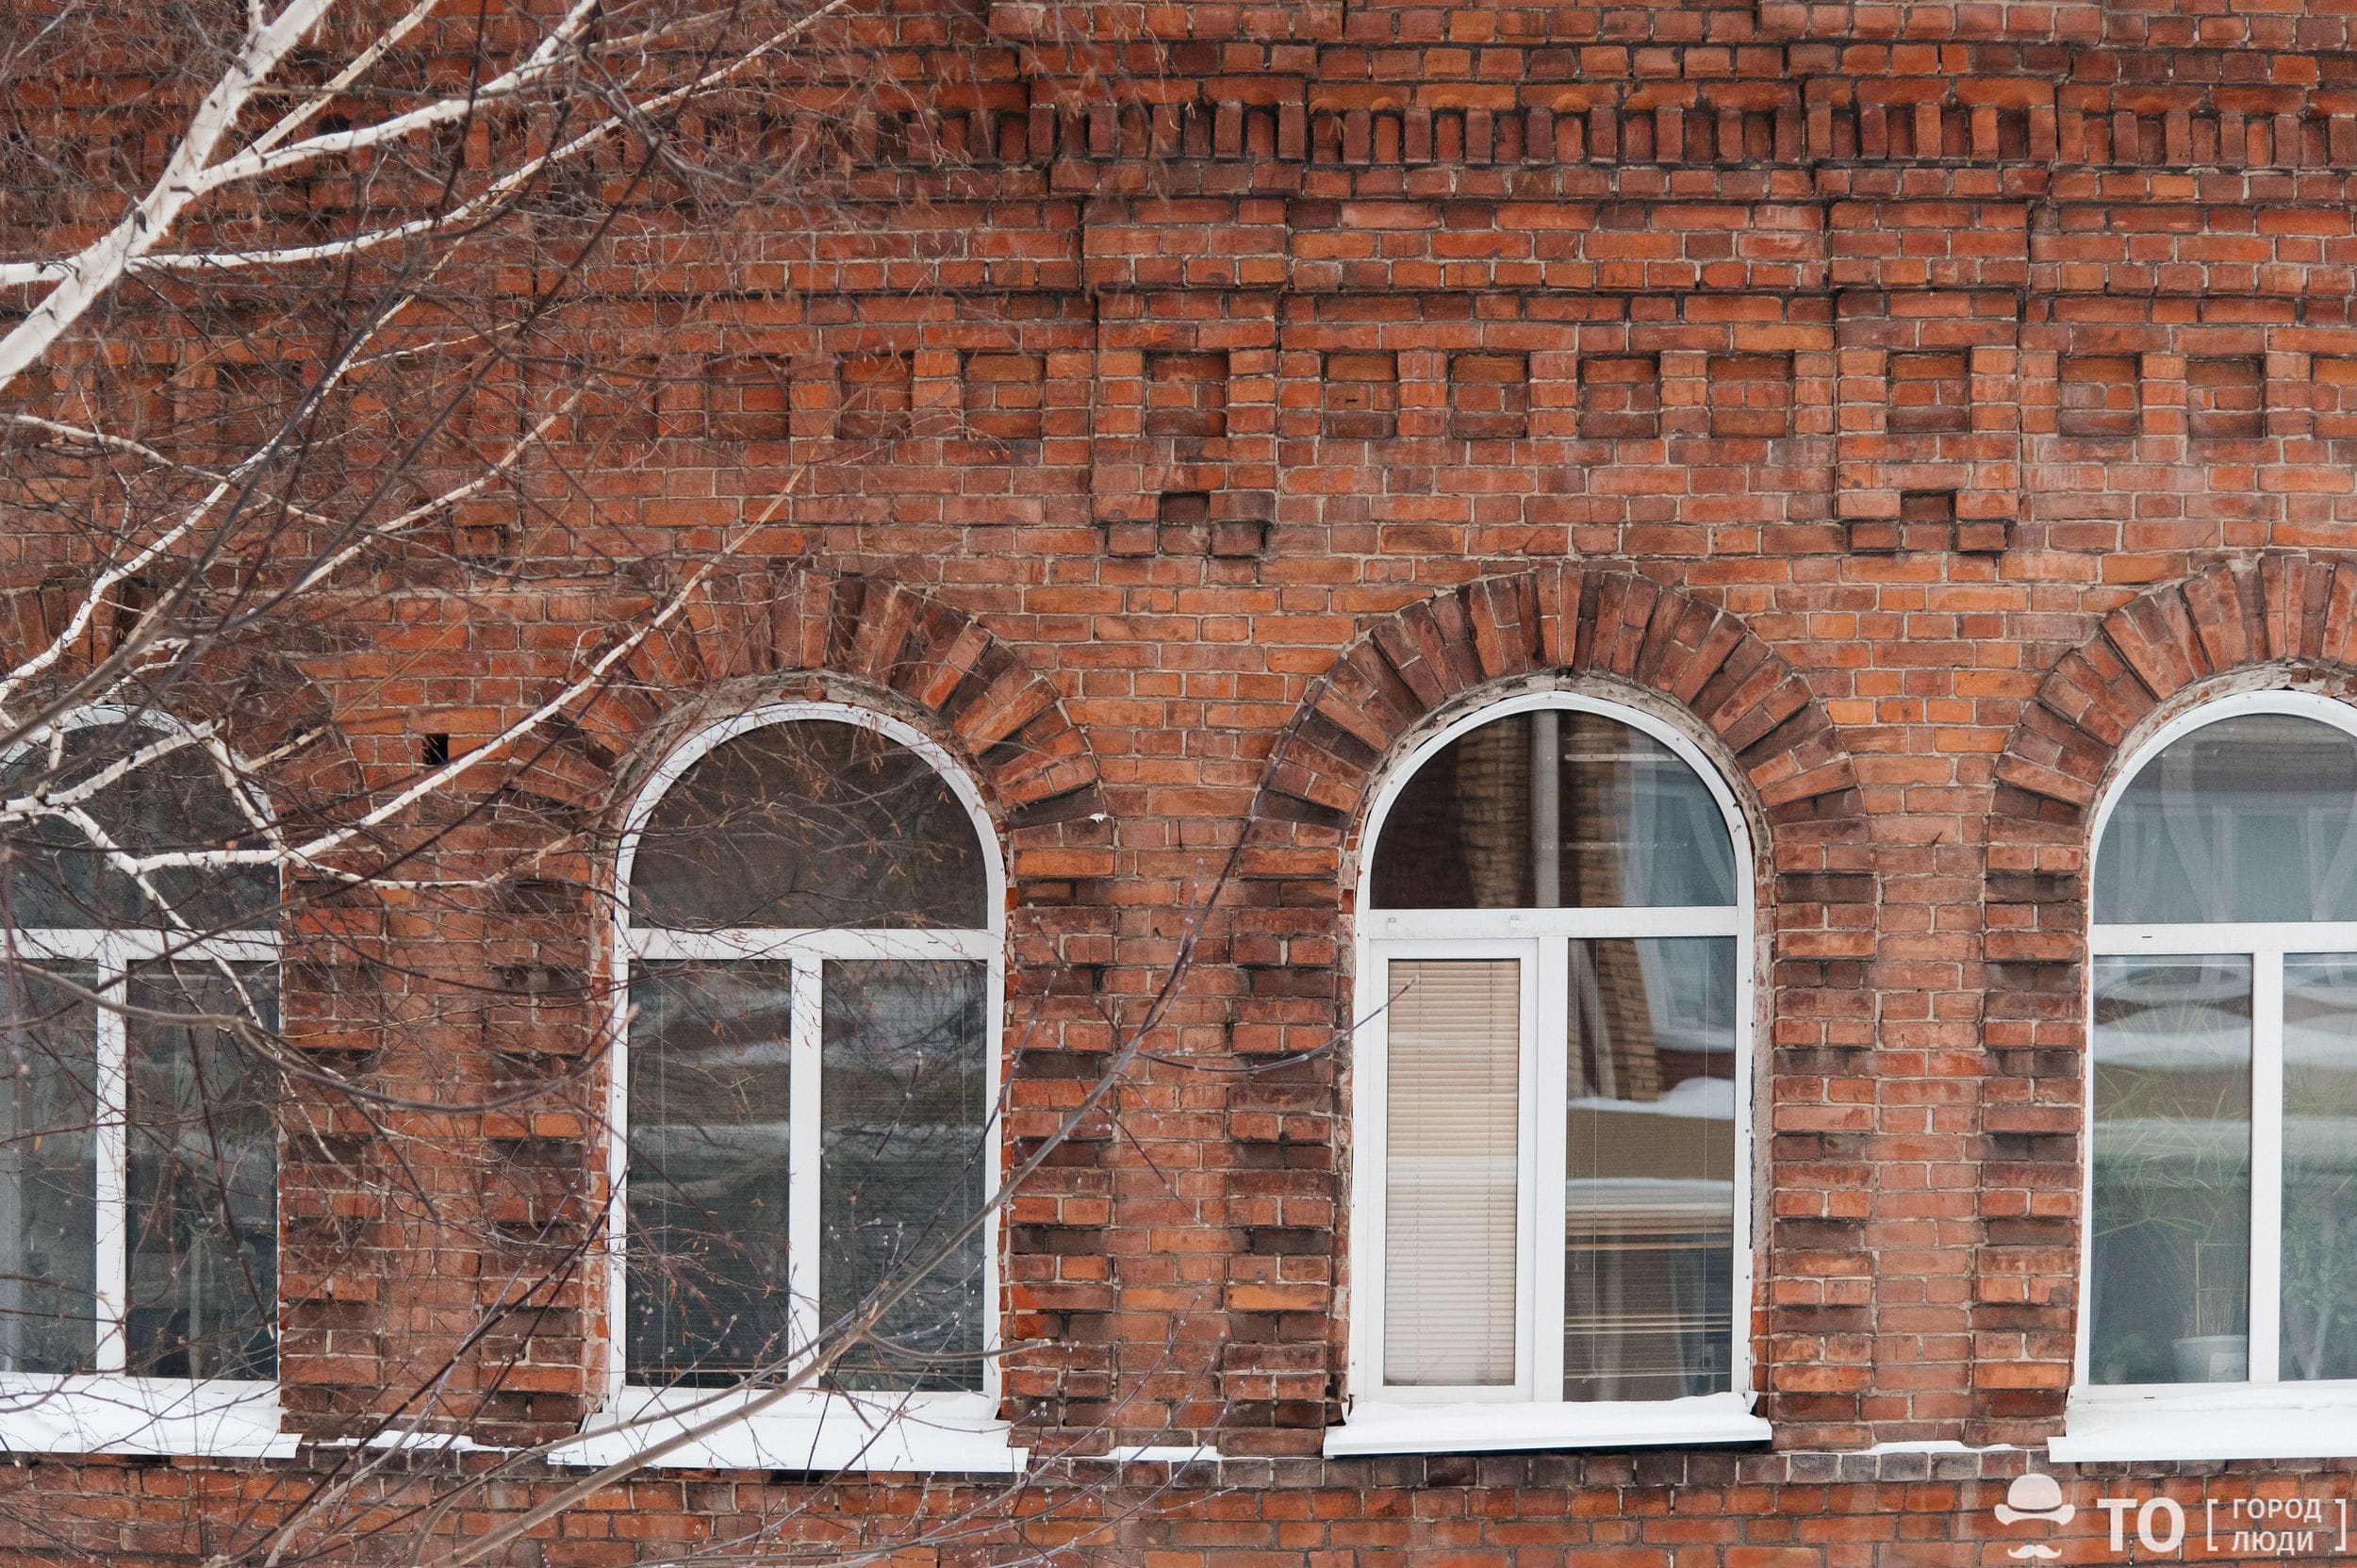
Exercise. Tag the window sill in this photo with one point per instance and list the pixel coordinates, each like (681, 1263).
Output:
(42, 1414)
(1391, 1428)
(2230, 1421)
(926, 1433)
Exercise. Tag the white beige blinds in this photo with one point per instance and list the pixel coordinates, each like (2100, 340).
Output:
(1450, 1233)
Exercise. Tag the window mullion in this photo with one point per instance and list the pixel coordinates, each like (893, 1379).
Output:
(110, 1146)
(1526, 1177)
(2266, 1164)
(803, 1153)
(1551, 1090)
(617, 1175)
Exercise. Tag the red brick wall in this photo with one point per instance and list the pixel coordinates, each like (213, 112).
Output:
(1924, 400)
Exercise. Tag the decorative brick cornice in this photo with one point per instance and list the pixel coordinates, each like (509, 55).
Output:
(1573, 620)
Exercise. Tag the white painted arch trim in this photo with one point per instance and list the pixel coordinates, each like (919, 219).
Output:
(2298, 704)
(2263, 1418)
(704, 741)
(1380, 1419)
(957, 1432)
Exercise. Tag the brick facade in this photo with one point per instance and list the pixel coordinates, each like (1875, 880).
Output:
(1918, 402)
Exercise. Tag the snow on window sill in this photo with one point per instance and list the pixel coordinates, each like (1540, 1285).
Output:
(110, 1414)
(1394, 1428)
(2208, 1421)
(935, 1433)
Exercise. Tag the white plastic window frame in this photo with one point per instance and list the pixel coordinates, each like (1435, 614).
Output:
(107, 1411)
(817, 1432)
(1380, 1419)
(2262, 1417)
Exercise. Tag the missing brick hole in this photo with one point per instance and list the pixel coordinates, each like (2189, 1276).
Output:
(434, 752)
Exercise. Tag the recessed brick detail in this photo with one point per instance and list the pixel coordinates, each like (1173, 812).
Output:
(1619, 397)
(1359, 396)
(1186, 394)
(749, 398)
(1930, 393)
(877, 397)
(2225, 398)
(1751, 395)
(1489, 397)
(2100, 397)
(1004, 395)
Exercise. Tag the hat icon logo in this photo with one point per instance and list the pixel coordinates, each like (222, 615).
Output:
(2035, 1497)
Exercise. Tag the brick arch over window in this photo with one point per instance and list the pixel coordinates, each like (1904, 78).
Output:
(1572, 619)
(2293, 615)
(2290, 611)
(861, 636)
(261, 699)
(2284, 609)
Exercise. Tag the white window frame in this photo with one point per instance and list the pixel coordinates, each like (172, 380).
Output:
(813, 1430)
(2264, 1417)
(108, 1410)
(1380, 1419)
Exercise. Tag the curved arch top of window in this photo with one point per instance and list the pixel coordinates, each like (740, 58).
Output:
(1554, 807)
(819, 823)
(166, 793)
(808, 1063)
(1550, 1169)
(2221, 1088)
(2248, 817)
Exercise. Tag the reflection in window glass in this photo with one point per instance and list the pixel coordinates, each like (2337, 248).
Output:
(203, 1178)
(2319, 1323)
(876, 1035)
(709, 1065)
(2251, 819)
(1559, 808)
(174, 800)
(48, 1174)
(2170, 1254)
(904, 1107)
(1450, 1236)
(1649, 1196)
(808, 825)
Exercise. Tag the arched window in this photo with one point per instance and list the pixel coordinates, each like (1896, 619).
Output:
(138, 1163)
(811, 939)
(1552, 1090)
(2222, 1088)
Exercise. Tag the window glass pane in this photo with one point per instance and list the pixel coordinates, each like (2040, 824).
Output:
(1649, 1197)
(706, 1201)
(2251, 819)
(903, 1100)
(810, 824)
(1452, 1110)
(2319, 1327)
(1554, 809)
(175, 802)
(2171, 1242)
(202, 1178)
(48, 1175)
